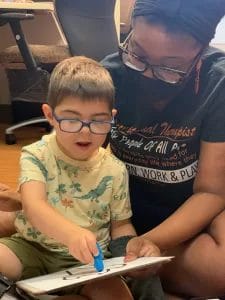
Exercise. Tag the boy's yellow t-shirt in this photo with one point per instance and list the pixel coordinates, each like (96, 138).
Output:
(89, 193)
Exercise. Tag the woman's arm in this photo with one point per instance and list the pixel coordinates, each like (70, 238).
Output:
(200, 209)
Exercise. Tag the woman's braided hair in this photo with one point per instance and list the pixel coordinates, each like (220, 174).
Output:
(198, 18)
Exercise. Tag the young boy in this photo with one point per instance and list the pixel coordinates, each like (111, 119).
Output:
(73, 192)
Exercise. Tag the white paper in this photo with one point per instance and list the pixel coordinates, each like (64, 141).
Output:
(80, 275)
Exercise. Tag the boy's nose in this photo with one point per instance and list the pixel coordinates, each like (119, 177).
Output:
(85, 129)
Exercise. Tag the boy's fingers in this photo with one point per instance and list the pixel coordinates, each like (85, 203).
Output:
(92, 245)
(84, 255)
(89, 249)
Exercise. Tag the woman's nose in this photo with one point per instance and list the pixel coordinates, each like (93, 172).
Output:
(148, 73)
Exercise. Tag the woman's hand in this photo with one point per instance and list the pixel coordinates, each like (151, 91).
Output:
(138, 247)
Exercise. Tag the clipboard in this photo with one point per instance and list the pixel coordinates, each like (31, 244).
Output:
(51, 283)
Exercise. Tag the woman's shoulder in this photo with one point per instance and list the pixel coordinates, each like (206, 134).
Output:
(214, 61)
(112, 61)
(114, 65)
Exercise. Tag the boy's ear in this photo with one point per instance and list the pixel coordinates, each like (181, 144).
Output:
(47, 111)
(114, 112)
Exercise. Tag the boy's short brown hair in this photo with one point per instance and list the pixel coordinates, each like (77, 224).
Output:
(81, 77)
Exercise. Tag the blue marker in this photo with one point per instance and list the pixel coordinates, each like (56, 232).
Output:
(98, 260)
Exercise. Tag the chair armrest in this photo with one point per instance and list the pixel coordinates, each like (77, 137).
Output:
(14, 16)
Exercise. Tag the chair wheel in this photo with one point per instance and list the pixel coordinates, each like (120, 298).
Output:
(10, 139)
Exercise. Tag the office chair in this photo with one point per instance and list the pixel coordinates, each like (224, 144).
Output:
(37, 76)
(89, 28)
(93, 31)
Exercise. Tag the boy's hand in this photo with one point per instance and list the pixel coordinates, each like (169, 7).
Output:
(82, 245)
(139, 247)
(9, 200)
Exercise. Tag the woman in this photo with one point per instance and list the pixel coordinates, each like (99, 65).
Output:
(170, 132)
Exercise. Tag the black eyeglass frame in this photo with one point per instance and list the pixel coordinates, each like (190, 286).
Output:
(83, 123)
(183, 75)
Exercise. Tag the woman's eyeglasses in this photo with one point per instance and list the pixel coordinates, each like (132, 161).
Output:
(73, 125)
(166, 74)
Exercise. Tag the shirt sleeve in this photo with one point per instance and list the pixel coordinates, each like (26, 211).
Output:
(120, 204)
(31, 168)
(213, 126)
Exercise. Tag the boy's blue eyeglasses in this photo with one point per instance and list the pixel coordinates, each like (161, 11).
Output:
(73, 125)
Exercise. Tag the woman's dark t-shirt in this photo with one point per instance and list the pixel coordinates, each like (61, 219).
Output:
(161, 148)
